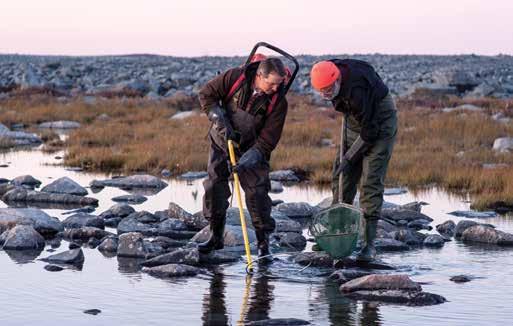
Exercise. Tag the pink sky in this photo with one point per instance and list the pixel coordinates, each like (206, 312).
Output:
(229, 27)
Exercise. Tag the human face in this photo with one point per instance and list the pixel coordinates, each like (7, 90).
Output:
(269, 84)
(330, 92)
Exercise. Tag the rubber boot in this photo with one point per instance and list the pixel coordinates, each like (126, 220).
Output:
(264, 254)
(368, 252)
(216, 240)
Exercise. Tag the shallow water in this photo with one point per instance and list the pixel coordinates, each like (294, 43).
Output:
(225, 296)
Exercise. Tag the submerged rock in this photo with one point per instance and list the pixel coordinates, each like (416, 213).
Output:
(315, 258)
(134, 181)
(461, 278)
(474, 214)
(188, 256)
(70, 257)
(389, 288)
(23, 195)
(172, 270)
(132, 199)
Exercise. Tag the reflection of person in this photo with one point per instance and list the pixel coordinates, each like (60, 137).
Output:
(261, 299)
(244, 104)
(214, 306)
(369, 132)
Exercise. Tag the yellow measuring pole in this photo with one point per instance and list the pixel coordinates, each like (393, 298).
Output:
(239, 202)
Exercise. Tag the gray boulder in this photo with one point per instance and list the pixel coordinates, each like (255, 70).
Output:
(131, 224)
(284, 175)
(85, 233)
(82, 219)
(315, 258)
(191, 175)
(462, 226)
(389, 288)
(409, 237)
(131, 199)
(434, 241)
(297, 210)
(188, 256)
(70, 257)
(134, 181)
(193, 222)
(22, 237)
(132, 245)
(474, 214)
(232, 236)
(65, 185)
(291, 240)
(486, 234)
(172, 270)
(276, 187)
(109, 244)
(447, 228)
(40, 221)
(27, 181)
(383, 244)
(22, 195)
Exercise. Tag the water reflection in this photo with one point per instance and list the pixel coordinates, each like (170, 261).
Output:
(214, 304)
(261, 297)
(23, 256)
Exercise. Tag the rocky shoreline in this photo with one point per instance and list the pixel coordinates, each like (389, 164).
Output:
(157, 77)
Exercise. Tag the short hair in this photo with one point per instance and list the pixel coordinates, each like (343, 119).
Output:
(271, 65)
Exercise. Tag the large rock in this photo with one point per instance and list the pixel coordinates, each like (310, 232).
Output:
(297, 210)
(71, 257)
(284, 175)
(409, 237)
(19, 138)
(503, 145)
(434, 241)
(486, 234)
(116, 213)
(232, 236)
(381, 282)
(27, 181)
(172, 270)
(474, 214)
(400, 214)
(447, 228)
(42, 222)
(315, 258)
(62, 124)
(462, 226)
(134, 181)
(132, 224)
(85, 233)
(109, 244)
(22, 195)
(131, 199)
(291, 240)
(132, 245)
(65, 185)
(383, 245)
(22, 237)
(82, 219)
(193, 222)
(188, 256)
